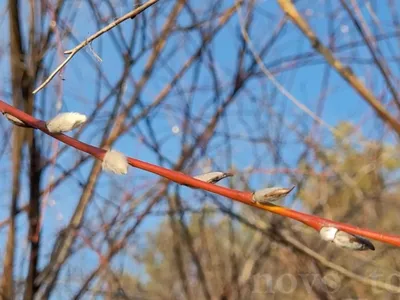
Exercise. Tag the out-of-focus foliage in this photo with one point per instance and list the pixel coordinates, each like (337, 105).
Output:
(348, 182)
(179, 86)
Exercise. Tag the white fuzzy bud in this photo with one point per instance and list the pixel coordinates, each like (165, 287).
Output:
(328, 233)
(15, 120)
(115, 162)
(270, 194)
(213, 177)
(65, 122)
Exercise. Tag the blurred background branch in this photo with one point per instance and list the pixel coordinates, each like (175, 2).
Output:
(179, 86)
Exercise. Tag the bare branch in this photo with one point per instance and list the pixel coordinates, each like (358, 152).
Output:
(290, 9)
(90, 39)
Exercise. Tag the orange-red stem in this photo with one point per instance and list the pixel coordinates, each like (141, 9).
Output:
(245, 197)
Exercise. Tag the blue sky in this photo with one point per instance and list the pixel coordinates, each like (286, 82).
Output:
(79, 92)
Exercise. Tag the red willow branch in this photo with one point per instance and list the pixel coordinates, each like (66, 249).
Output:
(244, 197)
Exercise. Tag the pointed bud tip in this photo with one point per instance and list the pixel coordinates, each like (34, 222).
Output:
(64, 122)
(370, 246)
(353, 242)
(211, 177)
(364, 243)
(115, 162)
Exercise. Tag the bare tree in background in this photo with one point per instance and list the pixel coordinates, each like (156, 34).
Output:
(279, 93)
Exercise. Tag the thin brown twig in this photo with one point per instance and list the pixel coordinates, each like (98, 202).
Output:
(75, 50)
(285, 237)
(273, 79)
(343, 271)
(345, 71)
(365, 34)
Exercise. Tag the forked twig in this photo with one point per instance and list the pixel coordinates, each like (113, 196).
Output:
(75, 50)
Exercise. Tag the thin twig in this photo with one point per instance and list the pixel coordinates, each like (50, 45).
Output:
(345, 71)
(287, 238)
(341, 270)
(75, 50)
(374, 50)
(273, 79)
